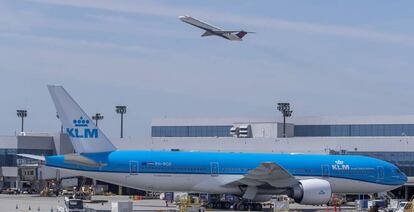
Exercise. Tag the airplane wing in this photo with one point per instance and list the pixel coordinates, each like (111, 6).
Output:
(269, 173)
(225, 31)
(197, 23)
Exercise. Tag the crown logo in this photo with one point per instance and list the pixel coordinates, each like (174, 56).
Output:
(339, 162)
(80, 122)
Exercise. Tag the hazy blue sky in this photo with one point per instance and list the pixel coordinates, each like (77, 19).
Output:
(325, 57)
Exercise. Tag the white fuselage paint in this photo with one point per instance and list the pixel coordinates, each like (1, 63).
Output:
(231, 36)
(205, 183)
(208, 27)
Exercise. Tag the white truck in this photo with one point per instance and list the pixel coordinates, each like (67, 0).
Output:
(72, 205)
(401, 206)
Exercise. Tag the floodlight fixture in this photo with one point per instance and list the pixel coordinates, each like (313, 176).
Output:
(97, 117)
(284, 108)
(121, 109)
(22, 114)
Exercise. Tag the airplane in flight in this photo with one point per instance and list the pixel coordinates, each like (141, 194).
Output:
(252, 177)
(235, 35)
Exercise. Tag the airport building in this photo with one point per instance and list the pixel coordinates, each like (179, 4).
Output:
(390, 138)
(23, 174)
(18, 172)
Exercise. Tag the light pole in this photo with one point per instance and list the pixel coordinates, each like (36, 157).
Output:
(22, 114)
(97, 117)
(284, 108)
(121, 109)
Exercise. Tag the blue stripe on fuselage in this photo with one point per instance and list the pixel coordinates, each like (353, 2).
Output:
(340, 166)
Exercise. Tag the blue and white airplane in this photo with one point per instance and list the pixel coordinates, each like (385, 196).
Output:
(308, 179)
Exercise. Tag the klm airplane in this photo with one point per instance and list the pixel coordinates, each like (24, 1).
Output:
(308, 179)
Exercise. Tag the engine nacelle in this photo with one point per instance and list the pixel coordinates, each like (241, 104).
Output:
(312, 192)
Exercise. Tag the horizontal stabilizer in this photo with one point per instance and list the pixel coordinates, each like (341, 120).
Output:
(81, 160)
(242, 33)
(35, 157)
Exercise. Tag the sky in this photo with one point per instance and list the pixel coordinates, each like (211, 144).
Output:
(327, 58)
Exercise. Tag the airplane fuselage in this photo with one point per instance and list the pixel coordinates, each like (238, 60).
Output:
(210, 172)
(213, 30)
(308, 179)
(228, 36)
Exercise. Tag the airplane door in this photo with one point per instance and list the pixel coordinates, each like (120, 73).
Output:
(214, 168)
(133, 167)
(325, 170)
(380, 170)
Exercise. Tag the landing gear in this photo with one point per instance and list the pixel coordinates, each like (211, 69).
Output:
(244, 206)
(236, 202)
(241, 206)
(219, 205)
(210, 205)
(226, 205)
(258, 207)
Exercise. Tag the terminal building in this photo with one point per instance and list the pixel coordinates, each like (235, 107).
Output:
(18, 172)
(390, 138)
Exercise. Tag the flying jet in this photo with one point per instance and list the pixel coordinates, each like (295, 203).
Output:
(235, 35)
(253, 177)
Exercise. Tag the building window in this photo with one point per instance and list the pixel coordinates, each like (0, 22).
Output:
(354, 130)
(190, 131)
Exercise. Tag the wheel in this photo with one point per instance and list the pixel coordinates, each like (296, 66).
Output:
(218, 205)
(257, 207)
(242, 207)
(226, 205)
(210, 205)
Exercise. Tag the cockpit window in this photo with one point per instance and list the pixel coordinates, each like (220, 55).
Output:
(397, 171)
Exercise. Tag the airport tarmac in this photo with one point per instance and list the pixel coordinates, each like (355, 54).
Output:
(29, 203)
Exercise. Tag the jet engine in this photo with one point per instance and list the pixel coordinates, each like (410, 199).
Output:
(312, 192)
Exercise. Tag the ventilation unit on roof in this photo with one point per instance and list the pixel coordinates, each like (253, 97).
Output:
(242, 131)
(234, 131)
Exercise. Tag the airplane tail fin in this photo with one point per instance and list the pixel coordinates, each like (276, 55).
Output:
(83, 133)
(242, 33)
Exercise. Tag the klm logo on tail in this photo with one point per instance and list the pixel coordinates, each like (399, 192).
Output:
(82, 130)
